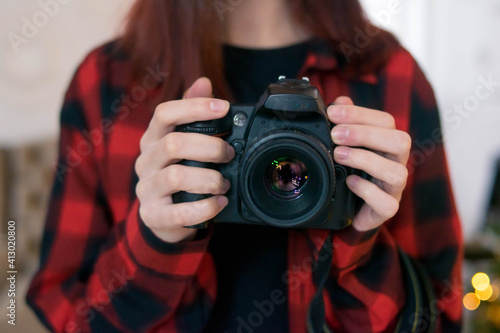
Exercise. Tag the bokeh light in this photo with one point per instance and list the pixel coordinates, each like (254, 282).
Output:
(495, 293)
(471, 302)
(480, 281)
(485, 294)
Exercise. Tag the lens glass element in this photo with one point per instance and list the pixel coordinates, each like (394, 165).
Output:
(286, 177)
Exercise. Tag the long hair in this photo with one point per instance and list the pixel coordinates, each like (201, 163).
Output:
(183, 38)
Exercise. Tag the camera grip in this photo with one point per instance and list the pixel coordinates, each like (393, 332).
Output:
(217, 127)
(183, 196)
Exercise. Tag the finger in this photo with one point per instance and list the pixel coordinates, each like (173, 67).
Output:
(202, 87)
(183, 146)
(171, 216)
(384, 140)
(173, 113)
(343, 100)
(366, 219)
(176, 178)
(379, 206)
(393, 175)
(352, 114)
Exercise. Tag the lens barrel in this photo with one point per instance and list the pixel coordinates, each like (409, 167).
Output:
(287, 179)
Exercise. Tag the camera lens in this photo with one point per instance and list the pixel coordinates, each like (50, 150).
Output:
(286, 177)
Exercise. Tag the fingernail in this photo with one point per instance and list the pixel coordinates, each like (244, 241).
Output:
(219, 105)
(226, 185)
(336, 111)
(352, 181)
(342, 153)
(222, 201)
(340, 133)
(230, 151)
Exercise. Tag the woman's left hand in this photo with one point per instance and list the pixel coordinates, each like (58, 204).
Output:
(387, 151)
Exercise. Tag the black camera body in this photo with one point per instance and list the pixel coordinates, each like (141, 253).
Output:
(283, 173)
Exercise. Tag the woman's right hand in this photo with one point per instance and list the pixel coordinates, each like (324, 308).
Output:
(160, 176)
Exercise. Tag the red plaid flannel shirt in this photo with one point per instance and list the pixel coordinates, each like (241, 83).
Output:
(102, 270)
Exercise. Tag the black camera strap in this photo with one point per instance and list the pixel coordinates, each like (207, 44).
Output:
(417, 314)
(316, 321)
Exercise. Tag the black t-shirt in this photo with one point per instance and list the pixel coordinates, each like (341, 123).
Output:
(251, 260)
(250, 71)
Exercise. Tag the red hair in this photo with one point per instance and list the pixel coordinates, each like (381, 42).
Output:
(183, 37)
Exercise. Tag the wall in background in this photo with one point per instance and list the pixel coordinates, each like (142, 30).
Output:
(41, 43)
(454, 41)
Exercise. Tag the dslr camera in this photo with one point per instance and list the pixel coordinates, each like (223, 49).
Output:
(283, 174)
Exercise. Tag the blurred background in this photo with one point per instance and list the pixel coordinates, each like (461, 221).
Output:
(455, 42)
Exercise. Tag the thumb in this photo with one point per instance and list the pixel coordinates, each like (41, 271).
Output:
(343, 100)
(202, 87)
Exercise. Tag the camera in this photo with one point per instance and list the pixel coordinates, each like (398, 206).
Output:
(283, 173)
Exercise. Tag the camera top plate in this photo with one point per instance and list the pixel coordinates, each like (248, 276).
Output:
(293, 95)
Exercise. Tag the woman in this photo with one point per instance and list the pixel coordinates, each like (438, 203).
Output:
(134, 267)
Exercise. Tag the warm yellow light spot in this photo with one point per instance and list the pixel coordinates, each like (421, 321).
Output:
(495, 293)
(480, 281)
(471, 302)
(485, 294)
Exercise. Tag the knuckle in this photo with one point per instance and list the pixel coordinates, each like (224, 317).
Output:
(404, 142)
(139, 189)
(206, 208)
(359, 157)
(139, 166)
(142, 143)
(147, 215)
(181, 217)
(172, 143)
(369, 190)
(173, 176)
(199, 206)
(219, 149)
(158, 115)
(160, 111)
(359, 137)
(197, 104)
(390, 122)
(391, 208)
(199, 210)
(220, 179)
(202, 103)
(172, 217)
(214, 186)
(400, 176)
